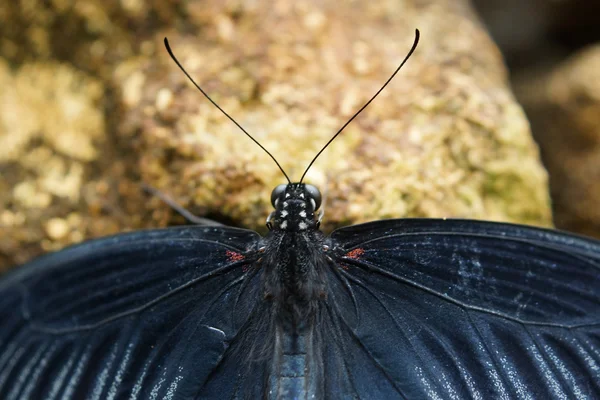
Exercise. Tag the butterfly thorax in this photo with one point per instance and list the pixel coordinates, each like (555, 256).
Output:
(293, 260)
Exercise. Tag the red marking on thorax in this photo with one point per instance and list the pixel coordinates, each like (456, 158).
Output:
(233, 256)
(356, 253)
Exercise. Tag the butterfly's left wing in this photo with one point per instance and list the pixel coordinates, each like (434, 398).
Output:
(143, 315)
(452, 309)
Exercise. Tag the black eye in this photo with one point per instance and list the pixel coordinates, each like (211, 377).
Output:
(314, 194)
(277, 192)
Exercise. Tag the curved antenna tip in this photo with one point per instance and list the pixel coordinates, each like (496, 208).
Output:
(220, 109)
(410, 52)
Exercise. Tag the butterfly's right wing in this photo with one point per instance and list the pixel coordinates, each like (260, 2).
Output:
(144, 315)
(458, 309)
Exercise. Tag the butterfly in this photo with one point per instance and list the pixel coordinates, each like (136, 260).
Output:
(392, 309)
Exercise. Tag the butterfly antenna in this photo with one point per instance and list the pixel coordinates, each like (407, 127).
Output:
(414, 46)
(220, 109)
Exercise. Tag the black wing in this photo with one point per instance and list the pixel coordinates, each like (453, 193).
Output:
(145, 315)
(452, 309)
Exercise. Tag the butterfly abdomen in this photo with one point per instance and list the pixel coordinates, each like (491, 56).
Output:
(289, 379)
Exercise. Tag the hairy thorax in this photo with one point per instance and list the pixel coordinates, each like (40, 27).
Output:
(294, 274)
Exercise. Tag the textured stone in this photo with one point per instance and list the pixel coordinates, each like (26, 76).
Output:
(445, 139)
(50, 127)
(564, 107)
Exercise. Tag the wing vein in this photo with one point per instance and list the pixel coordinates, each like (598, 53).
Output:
(373, 268)
(534, 243)
(392, 316)
(57, 331)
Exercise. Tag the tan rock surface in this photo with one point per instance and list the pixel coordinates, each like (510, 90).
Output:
(445, 139)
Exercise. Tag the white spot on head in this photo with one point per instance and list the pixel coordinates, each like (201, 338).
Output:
(302, 214)
(285, 204)
(283, 225)
(301, 195)
(287, 195)
(302, 226)
(284, 214)
(303, 205)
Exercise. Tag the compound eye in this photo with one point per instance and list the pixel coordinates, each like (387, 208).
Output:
(277, 192)
(314, 194)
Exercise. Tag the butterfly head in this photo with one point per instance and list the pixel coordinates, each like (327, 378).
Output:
(295, 205)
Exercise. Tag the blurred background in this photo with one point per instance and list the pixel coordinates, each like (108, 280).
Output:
(552, 49)
(496, 116)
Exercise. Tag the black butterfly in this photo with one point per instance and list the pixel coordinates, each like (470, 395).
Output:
(413, 308)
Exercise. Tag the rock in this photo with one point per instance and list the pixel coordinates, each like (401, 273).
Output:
(445, 139)
(56, 162)
(50, 127)
(564, 107)
(57, 228)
